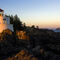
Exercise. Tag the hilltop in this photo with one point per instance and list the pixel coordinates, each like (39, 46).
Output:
(43, 44)
(28, 43)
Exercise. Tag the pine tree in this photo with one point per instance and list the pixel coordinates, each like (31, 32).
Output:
(17, 24)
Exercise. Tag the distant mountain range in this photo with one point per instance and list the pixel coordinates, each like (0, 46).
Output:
(57, 30)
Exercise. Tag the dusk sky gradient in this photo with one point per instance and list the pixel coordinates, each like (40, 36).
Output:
(44, 13)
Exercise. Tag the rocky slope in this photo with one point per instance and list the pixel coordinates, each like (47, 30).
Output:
(44, 44)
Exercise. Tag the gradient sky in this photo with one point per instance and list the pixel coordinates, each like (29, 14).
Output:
(44, 13)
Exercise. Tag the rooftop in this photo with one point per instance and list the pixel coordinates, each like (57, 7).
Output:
(1, 10)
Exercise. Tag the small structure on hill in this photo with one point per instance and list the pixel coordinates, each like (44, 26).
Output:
(5, 26)
(4, 22)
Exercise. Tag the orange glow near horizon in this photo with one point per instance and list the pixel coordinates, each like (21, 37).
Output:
(43, 19)
(44, 24)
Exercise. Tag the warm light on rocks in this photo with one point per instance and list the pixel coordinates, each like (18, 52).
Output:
(22, 35)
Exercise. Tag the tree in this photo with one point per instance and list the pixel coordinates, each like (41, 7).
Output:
(17, 24)
(33, 26)
(24, 26)
(37, 27)
(11, 19)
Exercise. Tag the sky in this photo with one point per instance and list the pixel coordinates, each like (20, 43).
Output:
(42, 13)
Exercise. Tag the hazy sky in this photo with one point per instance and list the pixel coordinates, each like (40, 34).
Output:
(44, 13)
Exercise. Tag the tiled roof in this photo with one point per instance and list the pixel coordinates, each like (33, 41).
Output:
(1, 10)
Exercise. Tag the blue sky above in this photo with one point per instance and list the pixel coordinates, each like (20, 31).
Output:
(44, 13)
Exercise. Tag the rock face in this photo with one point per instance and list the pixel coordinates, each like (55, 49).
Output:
(22, 35)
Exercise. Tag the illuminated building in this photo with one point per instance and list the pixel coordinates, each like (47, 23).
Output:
(4, 22)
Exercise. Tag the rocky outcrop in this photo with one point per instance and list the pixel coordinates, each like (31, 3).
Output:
(23, 55)
(43, 45)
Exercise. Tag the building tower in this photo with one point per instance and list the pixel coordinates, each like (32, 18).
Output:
(4, 22)
(1, 12)
(1, 16)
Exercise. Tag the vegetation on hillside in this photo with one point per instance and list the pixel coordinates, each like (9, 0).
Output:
(43, 44)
